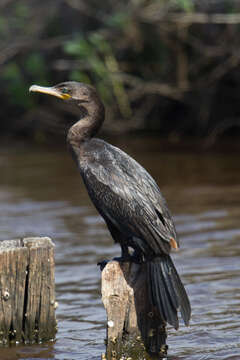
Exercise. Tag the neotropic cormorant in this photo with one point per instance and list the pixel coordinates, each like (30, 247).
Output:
(128, 199)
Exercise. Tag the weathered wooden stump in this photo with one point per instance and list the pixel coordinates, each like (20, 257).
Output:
(27, 291)
(133, 326)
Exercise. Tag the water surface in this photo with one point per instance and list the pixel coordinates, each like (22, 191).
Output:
(41, 194)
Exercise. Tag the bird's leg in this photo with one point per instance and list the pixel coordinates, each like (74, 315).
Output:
(127, 257)
(102, 264)
(125, 251)
(123, 241)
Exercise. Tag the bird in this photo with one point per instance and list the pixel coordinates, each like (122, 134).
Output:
(128, 199)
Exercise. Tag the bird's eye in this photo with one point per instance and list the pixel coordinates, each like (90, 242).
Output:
(64, 90)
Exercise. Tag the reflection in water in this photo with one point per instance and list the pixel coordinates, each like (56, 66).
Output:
(41, 193)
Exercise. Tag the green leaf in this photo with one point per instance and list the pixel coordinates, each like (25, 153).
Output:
(118, 20)
(79, 47)
(186, 5)
(100, 43)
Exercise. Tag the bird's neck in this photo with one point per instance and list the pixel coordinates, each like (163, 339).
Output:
(87, 126)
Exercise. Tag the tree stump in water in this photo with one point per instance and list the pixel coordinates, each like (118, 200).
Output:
(27, 291)
(133, 326)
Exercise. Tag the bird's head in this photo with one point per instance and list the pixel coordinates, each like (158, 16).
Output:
(70, 90)
(87, 100)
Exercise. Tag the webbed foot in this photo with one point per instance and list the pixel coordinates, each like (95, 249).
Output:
(102, 264)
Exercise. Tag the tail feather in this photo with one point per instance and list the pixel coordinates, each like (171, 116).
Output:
(160, 299)
(167, 292)
(170, 287)
(184, 304)
(167, 302)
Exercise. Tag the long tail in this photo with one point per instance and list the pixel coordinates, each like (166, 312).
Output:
(167, 292)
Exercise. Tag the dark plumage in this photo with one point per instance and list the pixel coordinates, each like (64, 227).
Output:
(128, 199)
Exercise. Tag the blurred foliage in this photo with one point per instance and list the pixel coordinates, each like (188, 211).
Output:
(168, 65)
(186, 5)
(98, 54)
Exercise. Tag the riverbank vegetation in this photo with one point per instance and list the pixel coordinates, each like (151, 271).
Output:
(159, 65)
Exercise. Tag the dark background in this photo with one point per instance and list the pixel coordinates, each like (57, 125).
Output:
(165, 67)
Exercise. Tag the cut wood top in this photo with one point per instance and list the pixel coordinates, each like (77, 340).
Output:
(28, 242)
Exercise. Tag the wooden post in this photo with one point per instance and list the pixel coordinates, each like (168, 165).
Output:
(27, 291)
(133, 326)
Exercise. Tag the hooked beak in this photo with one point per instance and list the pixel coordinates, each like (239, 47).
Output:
(49, 91)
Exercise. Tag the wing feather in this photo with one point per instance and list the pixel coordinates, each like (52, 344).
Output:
(124, 192)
